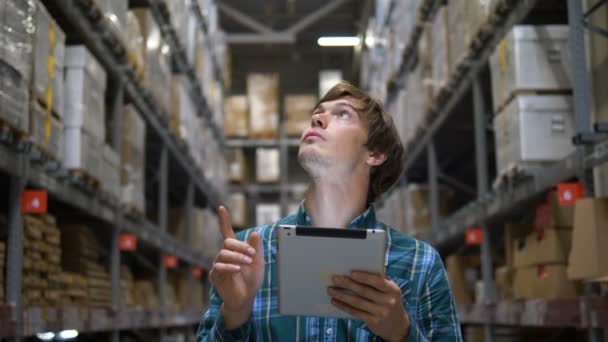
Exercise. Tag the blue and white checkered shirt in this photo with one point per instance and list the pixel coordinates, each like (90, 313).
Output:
(415, 266)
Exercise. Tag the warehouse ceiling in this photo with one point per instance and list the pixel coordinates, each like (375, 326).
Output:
(260, 38)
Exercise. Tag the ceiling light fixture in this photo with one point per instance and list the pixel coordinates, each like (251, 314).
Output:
(338, 41)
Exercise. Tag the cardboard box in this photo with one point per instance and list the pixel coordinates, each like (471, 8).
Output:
(504, 282)
(51, 144)
(237, 116)
(263, 96)
(177, 94)
(266, 213)
(237, 166)
(534, 130)
(588, 257)
(111, 171)
(530, 58)
(298, 109)
(514, 234)
(49, 54)
(267, 165)
(462, 276)
(549, 247)
(157, 74)
(553, 215)
(544, 281)
(238, 210)
(135, 44)
(417, 211)
(145, 295)
(85, 86)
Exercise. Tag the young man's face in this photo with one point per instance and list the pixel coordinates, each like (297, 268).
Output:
(335, 139)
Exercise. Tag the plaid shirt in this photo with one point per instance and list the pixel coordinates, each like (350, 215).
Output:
(413, 265)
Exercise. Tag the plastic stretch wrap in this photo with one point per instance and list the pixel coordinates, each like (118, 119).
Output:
(49, 54)
(16, 35)
(14, 98)
(132, 176)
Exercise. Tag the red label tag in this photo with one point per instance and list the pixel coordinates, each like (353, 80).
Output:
(34, 202)
(197, 272)
(170, 261)
(474, 236)
(569, 193)
(127, 242)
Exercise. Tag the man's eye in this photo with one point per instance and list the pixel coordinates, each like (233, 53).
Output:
(344, 115)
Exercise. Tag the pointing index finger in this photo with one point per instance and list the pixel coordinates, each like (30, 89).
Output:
(225, 223)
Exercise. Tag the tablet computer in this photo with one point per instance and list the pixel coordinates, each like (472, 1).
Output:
(308, 257)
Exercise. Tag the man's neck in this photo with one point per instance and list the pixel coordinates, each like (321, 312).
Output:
(336, 202)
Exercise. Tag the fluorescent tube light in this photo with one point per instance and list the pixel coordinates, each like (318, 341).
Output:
(338, 41)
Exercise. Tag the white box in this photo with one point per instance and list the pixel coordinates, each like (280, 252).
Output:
(533, 130)
(82, 152)
(267, 168)
(237, 204)
(111, 173)
(267, 213)
(14, 98)
(85, 85)
(530, 58)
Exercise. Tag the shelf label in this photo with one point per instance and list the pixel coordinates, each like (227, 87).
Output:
(474, 236)
(34, 202)
(197, 272)
(127, 242)
(569, 193)
(170, 261)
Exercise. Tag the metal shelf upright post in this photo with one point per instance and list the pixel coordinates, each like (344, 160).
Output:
(581, 90)
(14, 266)
(189, 237)
(163, 198)
(481, 161)
(433, 187)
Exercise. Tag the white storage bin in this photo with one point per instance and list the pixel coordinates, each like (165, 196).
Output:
(533, 130)
(530, 58)
(82, 152)
(85, 86)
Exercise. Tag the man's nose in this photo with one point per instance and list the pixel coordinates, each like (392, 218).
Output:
(319, 120)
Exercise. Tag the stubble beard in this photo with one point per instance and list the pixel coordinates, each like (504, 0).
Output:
(314, 164)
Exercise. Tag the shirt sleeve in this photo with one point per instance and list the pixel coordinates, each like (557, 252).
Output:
(437, 316)
(212, 326)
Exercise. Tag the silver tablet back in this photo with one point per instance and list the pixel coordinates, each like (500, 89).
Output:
(308, 258)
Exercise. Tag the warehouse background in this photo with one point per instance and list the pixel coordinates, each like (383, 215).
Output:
(124, 124)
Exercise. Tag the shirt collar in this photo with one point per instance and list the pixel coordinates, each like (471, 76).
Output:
(366, 220)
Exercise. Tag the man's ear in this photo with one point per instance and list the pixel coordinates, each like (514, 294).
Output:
(376, 158)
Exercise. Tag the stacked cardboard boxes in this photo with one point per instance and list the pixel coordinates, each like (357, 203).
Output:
(587, 260)
(263, 96)
(135, 44)
(238, 210)
(74, 291)
(298, 111)
(2, 265)
(110, 173)
(267, 213)
(178, 95)
(188, 299)
(82, 256)
(237, 116)
(132, 160)
(463, 272)
(417, 211)
(145, 295)
(465, 20)
(207, 236)
(538, 254)
(16, 40)
(157, 74)
(439, 50)
(127, 286)
(42, 256)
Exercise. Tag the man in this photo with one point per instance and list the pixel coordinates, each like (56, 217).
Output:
(352, 153)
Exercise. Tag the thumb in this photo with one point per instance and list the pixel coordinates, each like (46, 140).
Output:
(255, 241)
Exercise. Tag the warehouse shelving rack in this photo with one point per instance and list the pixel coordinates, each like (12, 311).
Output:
(26, 169)
(490, 206)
